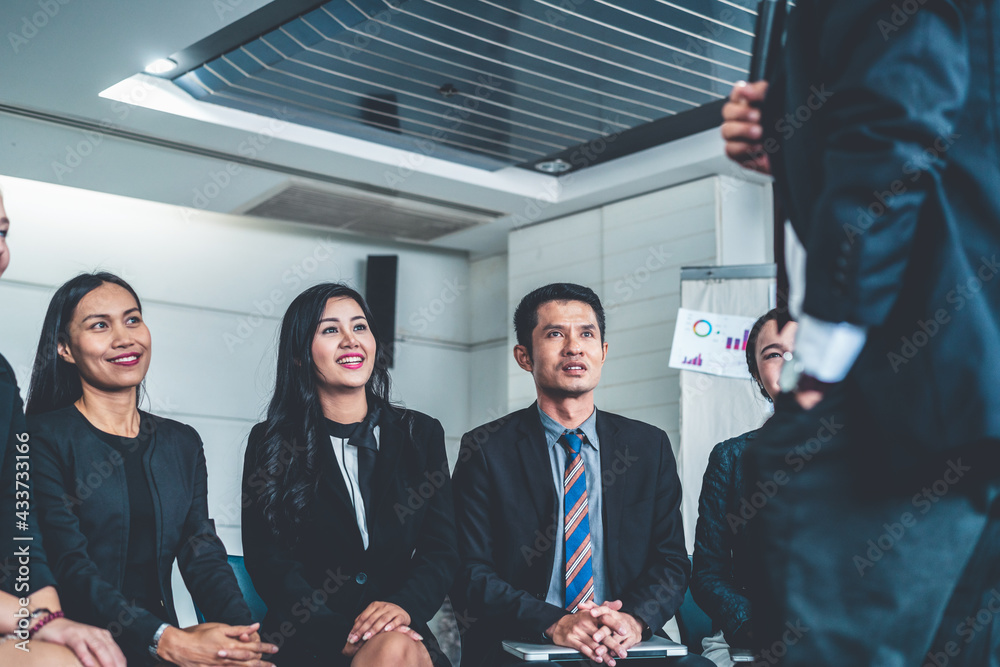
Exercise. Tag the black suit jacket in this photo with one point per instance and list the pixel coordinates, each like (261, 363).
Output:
(17, 500)
(888, 127)
(505, 502)
(315, 586)
(83, 497)
(720, 573)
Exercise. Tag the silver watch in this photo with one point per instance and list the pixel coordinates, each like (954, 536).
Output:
(155, 644)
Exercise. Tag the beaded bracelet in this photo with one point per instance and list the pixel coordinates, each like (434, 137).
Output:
(45, 621)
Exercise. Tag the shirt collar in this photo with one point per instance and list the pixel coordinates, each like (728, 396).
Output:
(554, 429)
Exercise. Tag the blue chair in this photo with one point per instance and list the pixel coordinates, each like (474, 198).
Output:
(257, 607)
(693, 623)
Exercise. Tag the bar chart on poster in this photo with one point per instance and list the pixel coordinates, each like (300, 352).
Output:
(711, 343)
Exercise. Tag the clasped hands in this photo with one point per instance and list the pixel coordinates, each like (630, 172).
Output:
(215, 644)
(378, 617)
(600, 632)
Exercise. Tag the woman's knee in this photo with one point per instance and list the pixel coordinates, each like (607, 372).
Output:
(42, 654)
(392, 648)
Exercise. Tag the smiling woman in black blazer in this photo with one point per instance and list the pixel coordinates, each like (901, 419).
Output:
(348, 525)
(123, 493)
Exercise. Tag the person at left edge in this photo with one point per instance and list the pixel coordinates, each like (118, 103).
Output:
(123, 493)
(54, 640)
(348, 523)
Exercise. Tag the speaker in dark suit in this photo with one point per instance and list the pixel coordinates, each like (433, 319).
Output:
(568, 516)
(880, 126)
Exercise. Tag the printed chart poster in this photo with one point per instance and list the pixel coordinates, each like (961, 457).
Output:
(711, 343)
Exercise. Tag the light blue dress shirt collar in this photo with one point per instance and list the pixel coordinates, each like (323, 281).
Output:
(553, 429)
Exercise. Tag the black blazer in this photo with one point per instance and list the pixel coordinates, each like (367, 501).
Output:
(13, 498)
(505, 502)
(83, 497)
(315, 586)
(721, 566)
(893, 185)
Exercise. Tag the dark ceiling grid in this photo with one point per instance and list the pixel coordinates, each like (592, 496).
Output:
(585, 39)
(488, 83)
(540, 85)
(313, 88)
(444, 65)
(425, 91)
(535, 51)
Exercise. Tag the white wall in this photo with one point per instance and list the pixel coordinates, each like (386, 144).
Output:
(214, 288)
(490, 325)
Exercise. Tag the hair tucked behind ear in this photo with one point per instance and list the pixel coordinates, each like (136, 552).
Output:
(55, 383)
(289, 457)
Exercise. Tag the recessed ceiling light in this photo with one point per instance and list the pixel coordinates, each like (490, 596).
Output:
(161, 66)
(554, 166)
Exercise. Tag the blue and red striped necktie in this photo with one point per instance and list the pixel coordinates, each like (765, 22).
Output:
(579, 574)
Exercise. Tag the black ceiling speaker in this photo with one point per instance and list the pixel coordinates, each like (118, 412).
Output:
(380, 293)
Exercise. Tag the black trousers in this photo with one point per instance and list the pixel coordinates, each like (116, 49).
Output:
(868, 550)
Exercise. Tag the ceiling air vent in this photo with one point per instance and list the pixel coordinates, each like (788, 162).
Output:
(369, 213)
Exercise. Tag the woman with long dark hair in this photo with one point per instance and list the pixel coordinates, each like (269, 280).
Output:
(719, 576)
(348, 524)
(123, 493)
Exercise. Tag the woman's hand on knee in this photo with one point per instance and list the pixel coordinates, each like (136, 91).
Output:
(378, 616)
(93, 647)
(409, 632)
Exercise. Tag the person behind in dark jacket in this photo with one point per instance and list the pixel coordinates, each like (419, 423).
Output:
(51, 638)
(348, 523)
(123, 493)
(719, 577)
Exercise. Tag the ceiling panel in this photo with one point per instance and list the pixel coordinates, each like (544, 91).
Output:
(486, 83)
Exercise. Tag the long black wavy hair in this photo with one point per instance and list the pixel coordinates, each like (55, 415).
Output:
(55, 383)
(287, 463)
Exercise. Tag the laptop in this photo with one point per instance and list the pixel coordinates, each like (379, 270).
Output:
(655, 647)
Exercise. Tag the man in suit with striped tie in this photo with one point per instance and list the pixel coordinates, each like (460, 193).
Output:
(568, 516)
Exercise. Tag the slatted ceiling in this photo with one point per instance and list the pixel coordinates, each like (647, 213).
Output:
(526, 93)
(488, 83)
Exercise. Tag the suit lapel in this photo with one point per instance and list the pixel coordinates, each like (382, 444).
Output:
(333, 480)
(391, 440)
(613, 494)
(537, 467)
